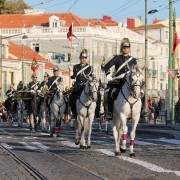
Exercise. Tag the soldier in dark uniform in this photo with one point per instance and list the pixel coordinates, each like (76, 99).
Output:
(81, 73)
(10, 92)
(46, 77)
(122, 63)
(51, 84)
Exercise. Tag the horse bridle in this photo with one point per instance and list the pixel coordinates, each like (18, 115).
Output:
(88, 94)
(57, 92)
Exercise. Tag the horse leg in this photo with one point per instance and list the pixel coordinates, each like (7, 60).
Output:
(124, 134)
(132, 137)
(82, 141)
(91, 118)
(76, 125)
(115, 134)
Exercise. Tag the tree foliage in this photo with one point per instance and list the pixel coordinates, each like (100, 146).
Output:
(13, 6)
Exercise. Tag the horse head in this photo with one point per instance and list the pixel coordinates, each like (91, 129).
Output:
(92, 86)
(60, 89)
(135, 81)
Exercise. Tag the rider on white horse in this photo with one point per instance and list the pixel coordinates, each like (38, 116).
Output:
(81, 74)
(52, 83)
(122, 63)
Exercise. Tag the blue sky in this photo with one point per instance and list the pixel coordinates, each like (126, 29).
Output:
(119, 10)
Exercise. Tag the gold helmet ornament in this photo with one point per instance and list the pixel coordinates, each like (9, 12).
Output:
(125, 43)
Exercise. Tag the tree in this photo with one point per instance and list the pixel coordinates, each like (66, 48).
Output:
(13, 6)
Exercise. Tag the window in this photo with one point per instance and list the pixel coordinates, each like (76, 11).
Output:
(4, 83)
(36, 47)
(167, 34)
(12, 77)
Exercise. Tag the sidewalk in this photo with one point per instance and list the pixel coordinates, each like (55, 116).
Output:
(170, 130)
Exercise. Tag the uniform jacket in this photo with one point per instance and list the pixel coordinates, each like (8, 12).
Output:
(51, 85)
(42, 84)
(32, 86)
(117, 61)
(83, 76)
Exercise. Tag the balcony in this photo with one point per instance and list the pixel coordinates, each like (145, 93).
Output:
(152, 73)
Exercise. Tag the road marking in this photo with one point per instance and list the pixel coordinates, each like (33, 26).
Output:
(171, 141)
(30, 137)
(40, 145)
(6, 146)
(28, 146)
(145, 164)
(8, 137)
(68, 143)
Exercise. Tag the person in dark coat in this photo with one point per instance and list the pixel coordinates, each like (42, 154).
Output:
(122, 63)
(81, 74)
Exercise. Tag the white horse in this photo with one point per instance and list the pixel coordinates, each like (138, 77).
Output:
(57, 109)
(85, 107)
(127, 105)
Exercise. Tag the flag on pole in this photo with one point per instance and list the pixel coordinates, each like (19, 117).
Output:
(70, 33)
(175, 43)
(34, 65)
(103, 63)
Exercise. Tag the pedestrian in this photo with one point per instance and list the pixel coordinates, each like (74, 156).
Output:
(151, 109)
(122, 63)
(81, 74)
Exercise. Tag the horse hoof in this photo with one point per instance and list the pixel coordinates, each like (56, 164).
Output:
(117, 153)
(132, 155)
(89, 147)
(76, 142)
(82, 147)
(122, 150)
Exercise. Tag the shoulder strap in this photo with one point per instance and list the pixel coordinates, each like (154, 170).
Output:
(126, 62)
(84, 68)
(54, 82)
(34, 85)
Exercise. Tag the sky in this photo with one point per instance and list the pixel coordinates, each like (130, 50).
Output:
(119, 10)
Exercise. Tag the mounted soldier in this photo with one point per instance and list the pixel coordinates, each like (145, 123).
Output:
(51, 83)
(122, 63)
(81, 74)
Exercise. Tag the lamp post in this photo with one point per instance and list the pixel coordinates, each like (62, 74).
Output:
(146, 79)
(1, 59)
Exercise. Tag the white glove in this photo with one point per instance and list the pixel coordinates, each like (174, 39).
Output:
(32, 91)
(109, 77)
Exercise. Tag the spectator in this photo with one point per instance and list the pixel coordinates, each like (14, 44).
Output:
(151, 109)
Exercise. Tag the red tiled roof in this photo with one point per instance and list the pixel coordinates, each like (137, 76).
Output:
(49, 65)
(152, 26)
(17, 50)
(27, 20)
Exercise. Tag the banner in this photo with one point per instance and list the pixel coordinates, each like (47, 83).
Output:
(34, 65)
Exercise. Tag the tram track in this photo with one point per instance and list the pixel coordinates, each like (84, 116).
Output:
(37, 174)
(33, 172)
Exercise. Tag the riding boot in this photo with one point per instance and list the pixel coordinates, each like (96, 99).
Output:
(109, 114)
(73, 104)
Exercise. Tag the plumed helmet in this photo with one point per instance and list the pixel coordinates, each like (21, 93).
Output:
(125, 43)
(83, 53)
(46, 75)
(56, 68)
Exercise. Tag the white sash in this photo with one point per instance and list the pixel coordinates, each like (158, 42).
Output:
(126, 62)
(34, 85)
(81, 71)
(53, 83)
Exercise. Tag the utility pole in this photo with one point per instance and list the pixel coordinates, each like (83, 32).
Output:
(170, 61)
(146, 70)
(173, 67)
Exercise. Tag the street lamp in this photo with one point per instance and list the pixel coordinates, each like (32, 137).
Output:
(1, 59)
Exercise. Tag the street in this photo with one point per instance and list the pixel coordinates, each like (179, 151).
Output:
(157, 156)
